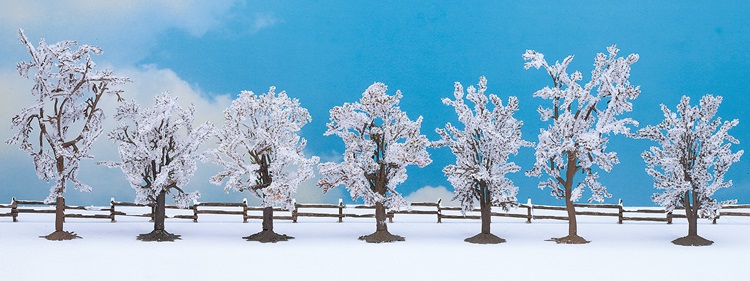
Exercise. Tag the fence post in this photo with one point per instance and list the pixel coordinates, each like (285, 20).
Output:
(439, 212)
(715, 218)
(14, 209)
(529, 213)
(244, 210)
(195, 210)
(112, 209)
(294, 211)
(669, 218)
(341, 210)
(390, 215)
(619, 218)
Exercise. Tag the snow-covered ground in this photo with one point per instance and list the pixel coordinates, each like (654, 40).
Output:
(212, 249)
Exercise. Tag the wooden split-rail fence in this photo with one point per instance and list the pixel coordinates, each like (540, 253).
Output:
(527, 211)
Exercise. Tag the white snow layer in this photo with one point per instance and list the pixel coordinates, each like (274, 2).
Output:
(213, 249)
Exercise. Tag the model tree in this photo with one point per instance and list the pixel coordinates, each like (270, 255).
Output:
(158, 149)
(260, 152)
(482, 149)
(692, 161)
(66, 116)
(582, 116)
(380, 142)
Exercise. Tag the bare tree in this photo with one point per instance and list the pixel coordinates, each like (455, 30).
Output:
(66, 113)
(158, 149)
(582, 117)
(380, 142)
(690, 165)
(260, 152)
(482, 149)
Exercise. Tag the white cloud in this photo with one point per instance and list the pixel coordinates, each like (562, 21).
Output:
(126, 30)
(432, 194)
(264, 21)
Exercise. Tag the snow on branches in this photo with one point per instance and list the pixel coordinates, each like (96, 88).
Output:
(68, 91)
(380, 142)
(482, 148)
(259, 148)
(581, 117)
(158, 148)
(694, 156)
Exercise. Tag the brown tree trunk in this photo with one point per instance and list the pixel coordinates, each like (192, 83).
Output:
(267, 235)
(159, 233)
(691, 212)
(160, 211)
(268, 219)
(59, 214)
(59, 233)
(486, 219)
(485, 209)
(572, 237)
(381, 233)
(692, 222)
(380, 217)
(570, 173)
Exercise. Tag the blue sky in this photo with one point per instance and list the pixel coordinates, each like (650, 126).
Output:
(327, 52)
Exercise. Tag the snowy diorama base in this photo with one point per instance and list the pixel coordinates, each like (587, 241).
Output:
(381, 237)
(158, 236)
(692, 240)
(646, 246)
(570, 239)
(61, 236)
(485, 238)
(268, 236)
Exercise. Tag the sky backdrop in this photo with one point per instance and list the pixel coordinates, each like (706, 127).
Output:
(326, 53)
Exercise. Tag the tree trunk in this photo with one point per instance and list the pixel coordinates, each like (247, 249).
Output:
(486, 219)
(692, 222)
(159, 233)
(160, 211)
(570, 173)
(59, 214)
(380, 217)
(267, 235)
(59, 234)
(572, 222)
(572, 237)
(691, 212)
(381, 233)
(268, 219)
(485, 209)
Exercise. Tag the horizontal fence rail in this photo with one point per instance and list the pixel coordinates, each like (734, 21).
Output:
(528, 211)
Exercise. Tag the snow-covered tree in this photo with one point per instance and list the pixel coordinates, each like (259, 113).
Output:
(66, 113)
(692, 161)
(260, 152)
(482, 149)
(380, 142)
(158, 150)
(582, 117)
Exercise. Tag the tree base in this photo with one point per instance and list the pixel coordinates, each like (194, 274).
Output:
(570, 239)
(159, 236)
(61, 236)
(382, 236)
(268, 236)
(692, 240)
(485, 238)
